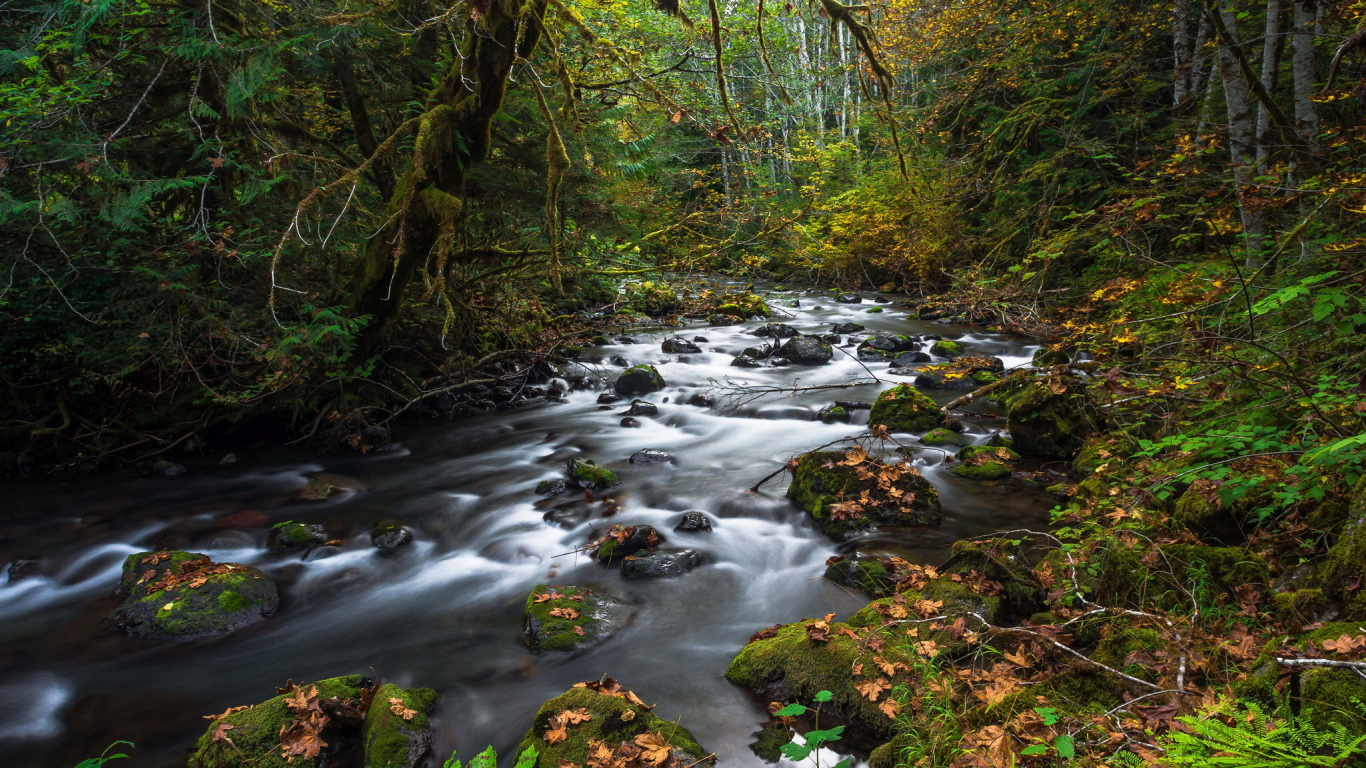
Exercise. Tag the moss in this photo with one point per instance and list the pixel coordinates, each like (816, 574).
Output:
(945, 348)
(941, 436)
(292, 535)
(983, 378)
(590, 475)
(388, 740)
(1000, 561)
(875, 310)
(639, 380)
(864, 573)
(256, 731)
(1116, 646)
(1045, 356)
(1092, 488)
(1345, 566)
(987, 470)
(816, 487)
(905, 408)
(1059, 491)
(605, 724)
(833, 414)
(958, 600)
(1044, 423)
(744, 306)
(1000, 453)
(1099, 451)
(805, 667)
(889, 755)
(600, 341)
(221, 602)
(768, 742)
(597, 617)
(1302, 605)
(1215, 572)
(1077, 690)
(1333, 695)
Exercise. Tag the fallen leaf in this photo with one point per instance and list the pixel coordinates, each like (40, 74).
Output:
(578, 630)
(655, 750)
(575, 716)
(227, 712)
(890, 707)
(564, 613)
(398, 707)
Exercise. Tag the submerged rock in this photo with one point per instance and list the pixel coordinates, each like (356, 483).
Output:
(650, 456)
(617, 723)
(905, 408)
(806, 350)
(551, 487)
(589, 475)
(693, 522)
(660, 564)
(680, 347)
(640, 380)
(745, 361)
(185, 594)
(564, 618)
(833, 495)
(388, 535)
(910, 358)
(849, 298)
(294, 535)
(832, 414)
(846, 327)
(642, 408)
(630, 422)
(701, 400)
(620, 541)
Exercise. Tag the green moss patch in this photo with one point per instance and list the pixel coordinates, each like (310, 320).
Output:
(563, 618)
(396, 734)
(255, 731)
(1045, 423)
(905, 408)
(850, 492)
(589, 475)
(612, 720)
(183, 594)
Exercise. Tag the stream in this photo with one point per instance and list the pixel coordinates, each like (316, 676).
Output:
(446, 613)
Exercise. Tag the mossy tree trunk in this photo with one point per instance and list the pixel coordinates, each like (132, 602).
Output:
(452, 134)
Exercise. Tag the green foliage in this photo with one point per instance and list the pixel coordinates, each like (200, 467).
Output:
(489, 759)
(814, 738)
(98, 762)
(1241, 734)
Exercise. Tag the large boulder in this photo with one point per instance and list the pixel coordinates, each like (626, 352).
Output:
(998, 568)
(599, 723)
(639, 380)
(396, 732)
(564, 618)
(1051, 418)
(848, 492)
(806, 350)
(184, 594)
(905, 408)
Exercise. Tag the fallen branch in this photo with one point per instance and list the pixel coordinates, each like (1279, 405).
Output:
(1361, 665)
(992, 629)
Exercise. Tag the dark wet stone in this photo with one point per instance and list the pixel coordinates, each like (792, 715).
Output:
(651, 456)
(780, 362)
(953, 424)
(853, 406)
(23, 569)
(606, 408)
(642, 408)
(889, 342)
(779, 331)
(895, 371)
(846, 327)
(630, 422)
(626, 340)
(619, 360)
(806, 350)
(680, 347)
(693, 522)
(163, 603)
(389, 535)
(719, 319)
(609, 397)
(873, 355)
(830, 338)
(745, 361)
(640, 380)
(849, 298)
(660, 564)
(168, 468)
(374, 436)
(700, 339)
(758, 353)
(937, 380)
(636, 538)
(832, 414)
(910, 358)
(551, 487)
(702, 400)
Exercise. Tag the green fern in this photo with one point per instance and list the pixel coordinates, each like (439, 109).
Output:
(1239, 734)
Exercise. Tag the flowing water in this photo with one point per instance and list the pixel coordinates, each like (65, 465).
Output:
(447, 613)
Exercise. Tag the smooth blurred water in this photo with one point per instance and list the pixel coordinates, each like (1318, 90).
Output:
(447, 613)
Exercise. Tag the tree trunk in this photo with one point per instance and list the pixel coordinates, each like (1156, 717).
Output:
(1272, 45)
(1183, 53)
(1302, 68)
(360, 124)
(452, 134)
(1242, 141)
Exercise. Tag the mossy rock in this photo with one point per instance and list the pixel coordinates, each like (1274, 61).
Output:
(744, 307)
(790, 666)
(1045, 357)
(987, 470)
(183, 595)
(832, 414)
(256, 731)
(940, 436)
(816, 487)
(889, 755)
(639, 380)
(595, 617)
(1077, 690)
(1000, 561)
(905, 408)
(862, 572)
(1303, 606)
(1210, 520)
(295, 535)
(1116, 646)
(946, 348)
(958, 600)
(1103, 452)
(889, 342)
(389, 741)
(1344, 571)
(875, 310)
(1044, 423)
(993, 452)
(609, 723)
(1216, 572)
(983, 378)
(590, 475)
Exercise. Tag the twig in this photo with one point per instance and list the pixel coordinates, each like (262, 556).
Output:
(995, 630)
